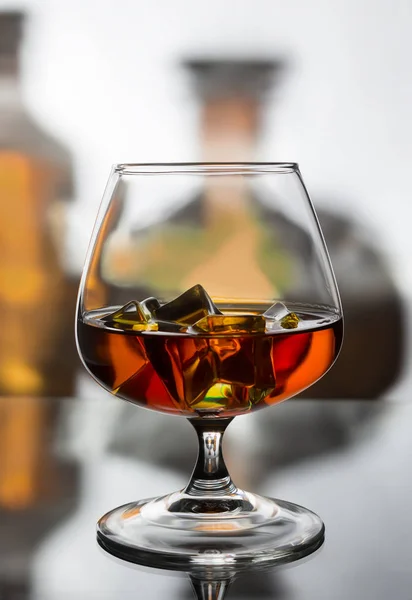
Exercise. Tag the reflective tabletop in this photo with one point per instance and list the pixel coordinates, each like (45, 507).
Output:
(66, 462)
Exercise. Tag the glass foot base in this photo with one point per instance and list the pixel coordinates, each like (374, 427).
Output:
(182, 532)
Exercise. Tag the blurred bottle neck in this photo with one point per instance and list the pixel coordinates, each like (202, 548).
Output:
(229, 128)
(10, 91)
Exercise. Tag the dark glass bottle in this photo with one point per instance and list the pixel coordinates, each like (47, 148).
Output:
(232, 94)
(36, 296)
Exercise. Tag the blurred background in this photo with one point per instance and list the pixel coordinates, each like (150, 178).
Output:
(85, 84)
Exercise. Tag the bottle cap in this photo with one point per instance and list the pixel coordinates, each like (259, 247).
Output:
(11, 29)
(220, 78)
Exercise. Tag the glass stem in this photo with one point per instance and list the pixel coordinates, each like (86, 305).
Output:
(210, 476)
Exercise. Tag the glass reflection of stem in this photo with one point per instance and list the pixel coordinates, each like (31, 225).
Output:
(210, 476)
(208, 589)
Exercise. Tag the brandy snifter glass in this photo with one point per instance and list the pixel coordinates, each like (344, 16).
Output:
(208, 293)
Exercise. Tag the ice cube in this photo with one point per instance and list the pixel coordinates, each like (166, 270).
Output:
(149, 306)
(170, 326)
(131, 316)
(127, 357)
(191, 306)
(243, 360)
(129, 312)
(231, 324)
(290, 321)
(278, 314)
(186, 369)
(277, 311)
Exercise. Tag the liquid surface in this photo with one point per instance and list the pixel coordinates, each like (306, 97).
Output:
(199, 374)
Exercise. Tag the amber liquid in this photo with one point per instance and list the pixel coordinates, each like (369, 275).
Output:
(191, 374)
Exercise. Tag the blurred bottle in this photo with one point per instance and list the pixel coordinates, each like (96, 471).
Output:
(35, 183)
(232, 95)
(37, 300)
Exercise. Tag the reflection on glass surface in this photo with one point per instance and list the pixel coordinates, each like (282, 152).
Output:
(371, 469)
(38, 485)
(360, 486)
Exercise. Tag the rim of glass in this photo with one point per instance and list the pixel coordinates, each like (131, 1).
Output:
(205, 168)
